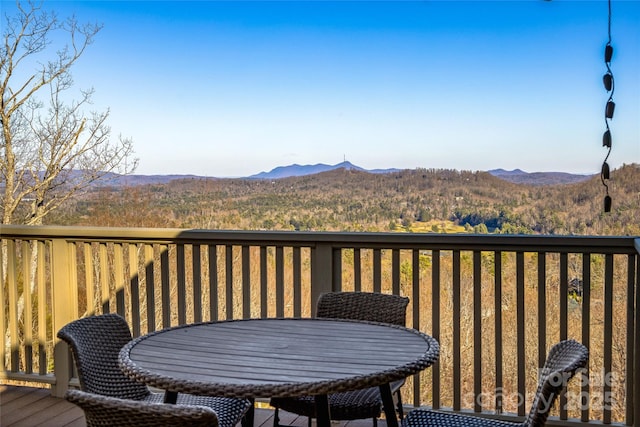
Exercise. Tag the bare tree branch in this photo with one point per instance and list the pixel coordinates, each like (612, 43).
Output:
(50, 148)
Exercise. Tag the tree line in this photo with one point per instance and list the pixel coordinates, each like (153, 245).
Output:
(349, 200)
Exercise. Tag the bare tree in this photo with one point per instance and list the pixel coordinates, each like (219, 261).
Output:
(50, 148)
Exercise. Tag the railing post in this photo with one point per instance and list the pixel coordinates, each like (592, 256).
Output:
(321, 272)
(636, 345)
(63, 311)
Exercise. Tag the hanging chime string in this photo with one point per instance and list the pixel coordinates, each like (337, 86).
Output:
(609, 86)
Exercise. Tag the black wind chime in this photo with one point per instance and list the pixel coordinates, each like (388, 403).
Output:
(609, 85)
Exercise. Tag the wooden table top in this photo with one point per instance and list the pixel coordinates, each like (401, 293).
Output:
(277, 357)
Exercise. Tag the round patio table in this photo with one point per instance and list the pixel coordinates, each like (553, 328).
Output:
(264, 358)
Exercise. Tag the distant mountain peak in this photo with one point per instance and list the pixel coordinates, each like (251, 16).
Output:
(519, 176)
(503, 172)
(303, 170)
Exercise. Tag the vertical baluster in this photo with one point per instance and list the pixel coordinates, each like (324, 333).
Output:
(435, 322)
(297, 282)
(43, 308)
(89, 278)
(395, 271)
(212, 256)
(196, 281)
(357, 269)
(120, 286)
(631, 313)
(3, 298)
(586, 332)
(498, 330)
(134, 280)
(73, 279)
(264, 301)
(27, 258)
(542, 308)
(636, 350)
(165, 285)
(228, 254)
(377, 270)
(457, 391)
(520, 319)
(608, 337)
(477, 329)
(564, 296)
(105, 292)
(279, 281)
(181, 283)
(336, 271)
(564, 319)
(416, 318)
(246, 281)
(150, 287)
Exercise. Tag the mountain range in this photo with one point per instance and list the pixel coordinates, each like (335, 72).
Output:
(517, 176)
(302, 170)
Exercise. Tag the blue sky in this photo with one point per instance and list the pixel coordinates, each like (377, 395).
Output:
(236, 88)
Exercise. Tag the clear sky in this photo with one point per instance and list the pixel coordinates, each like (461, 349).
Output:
(235, 88)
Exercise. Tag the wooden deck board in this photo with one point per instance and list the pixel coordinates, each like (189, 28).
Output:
(22, 406)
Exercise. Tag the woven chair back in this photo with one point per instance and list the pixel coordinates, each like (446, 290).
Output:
(95, 343)
(369, 306)
(563, 361)
(111, 411)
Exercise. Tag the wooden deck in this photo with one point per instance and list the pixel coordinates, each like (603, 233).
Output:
(22, 406)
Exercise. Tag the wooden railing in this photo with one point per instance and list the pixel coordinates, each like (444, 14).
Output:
(495, 303)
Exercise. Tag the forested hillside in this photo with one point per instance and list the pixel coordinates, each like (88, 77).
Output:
(419, 200)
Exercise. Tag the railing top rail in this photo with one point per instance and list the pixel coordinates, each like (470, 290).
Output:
(486, 242)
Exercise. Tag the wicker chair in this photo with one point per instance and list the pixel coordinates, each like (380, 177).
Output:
(360, 404)
(96, 341)
(111, 411)
(564, 359)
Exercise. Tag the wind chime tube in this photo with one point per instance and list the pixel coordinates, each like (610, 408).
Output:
(608, 53)
(606, 139)
(607, 80)
(605, 171)
(611, 106)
